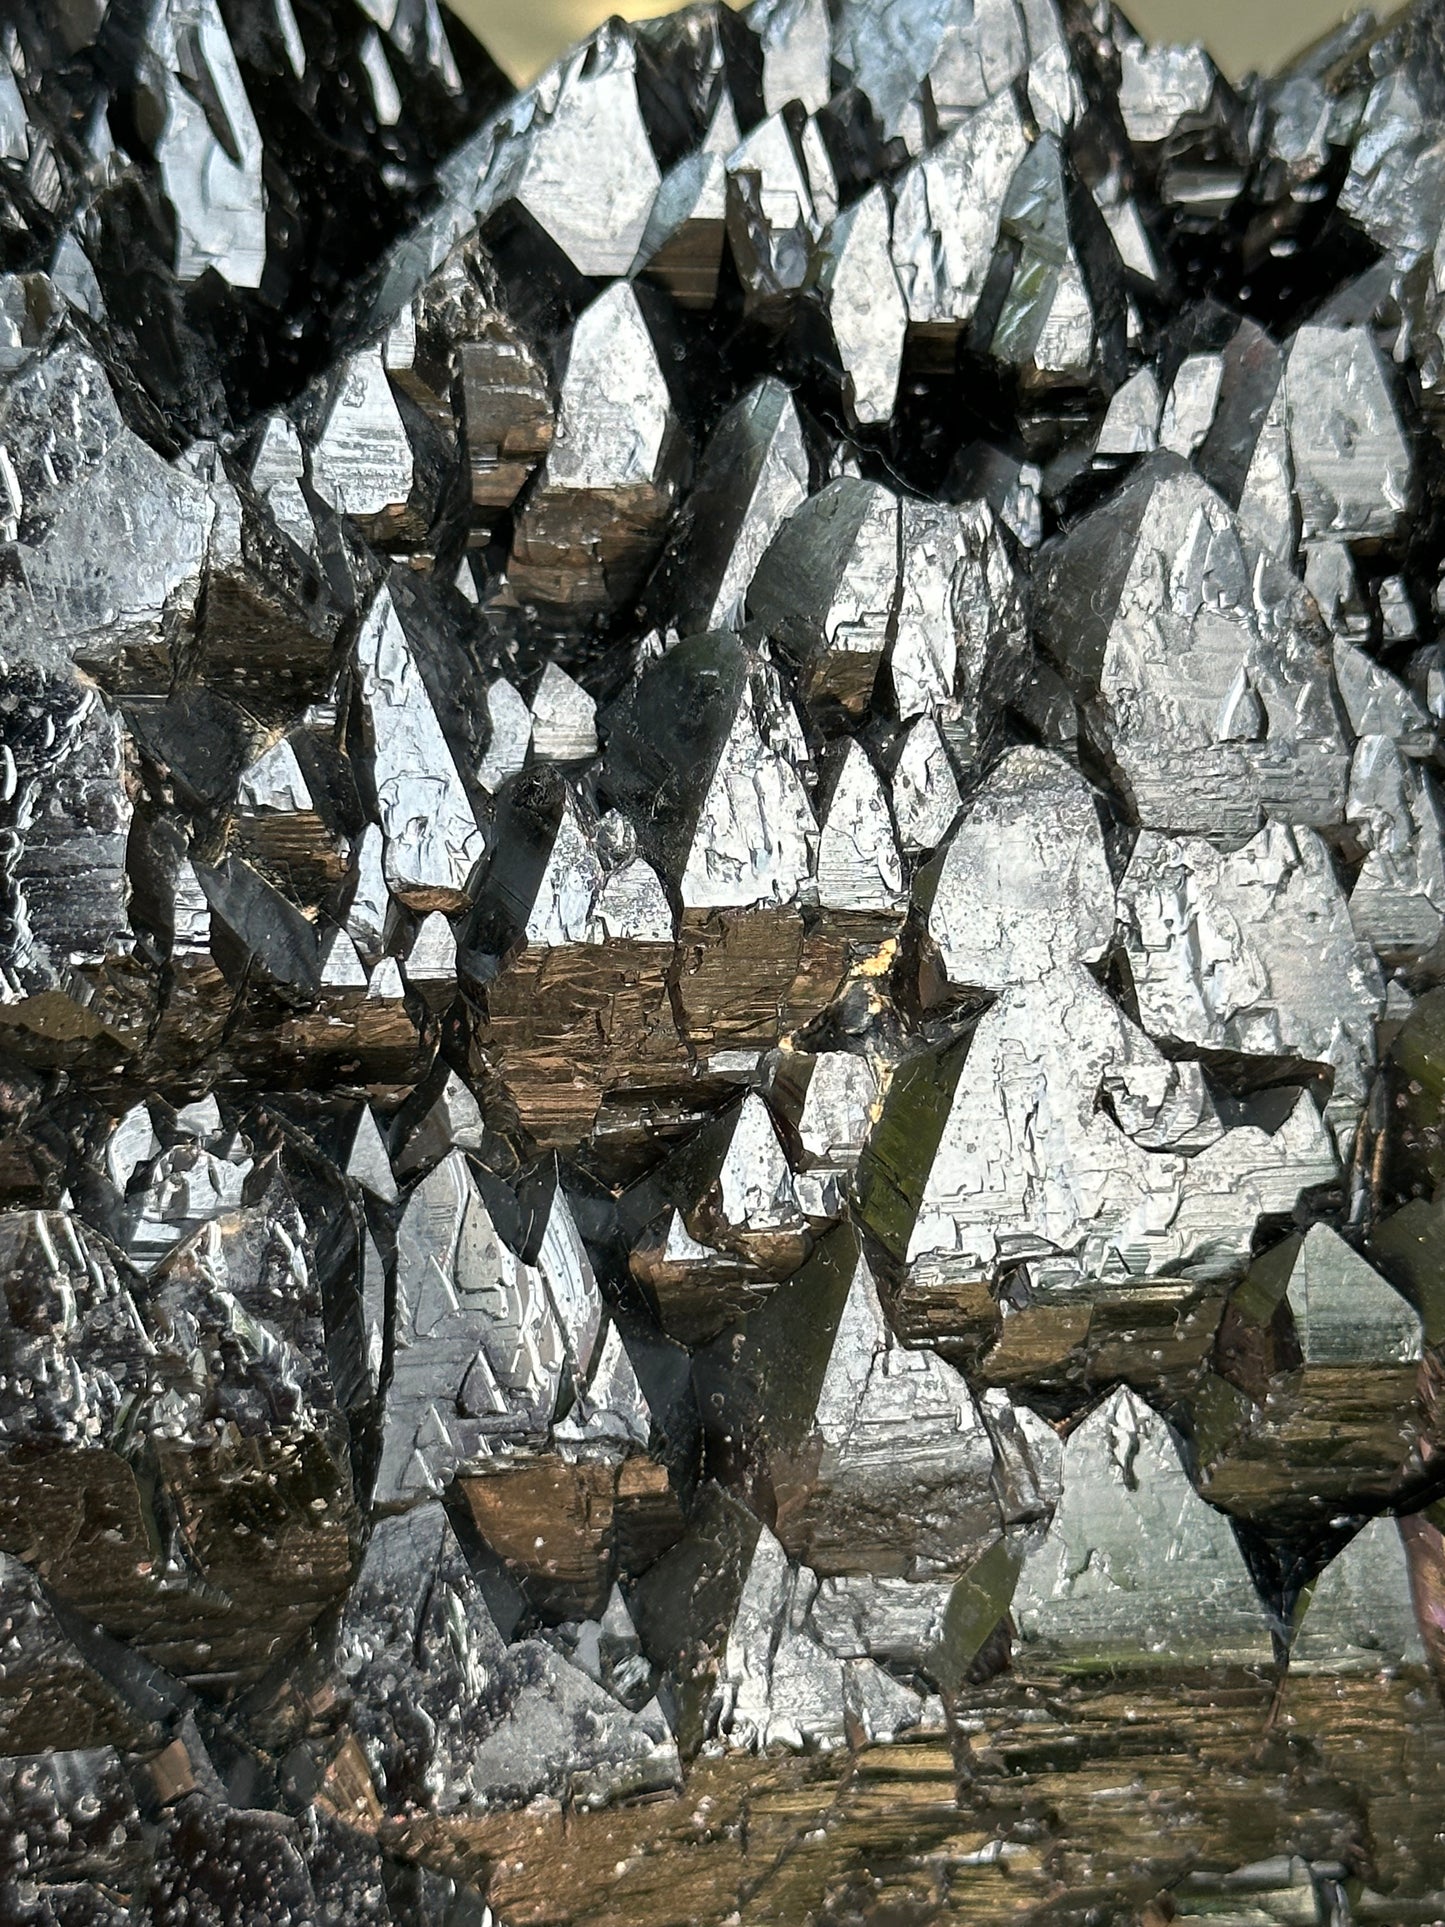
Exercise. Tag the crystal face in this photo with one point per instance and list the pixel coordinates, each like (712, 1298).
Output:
(722, 971)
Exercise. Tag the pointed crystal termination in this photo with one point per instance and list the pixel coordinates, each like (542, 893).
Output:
(1061, 324)
(946, 219)
(1315, 1345)
(752, 475)
(589, 107)
(605, 1057)
(596, 515)
(718, 1224)
(1136, 1571)
(1359, 1615)
(825, 591)
(1202, 683)
(705, 755)
(1356, 487)
(875, 1459)
(1253, 952)
(575, 943)
(860, 870)
(362, 464)
(479, 1350)
(959, 648)
(683, 245)
(866, 305)
(1052, 1081)
(433, 841)
(781, 193)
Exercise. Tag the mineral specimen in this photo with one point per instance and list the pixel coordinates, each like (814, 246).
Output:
(722, 1043)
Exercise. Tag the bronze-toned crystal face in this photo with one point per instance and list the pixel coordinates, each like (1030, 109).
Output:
(722, 971)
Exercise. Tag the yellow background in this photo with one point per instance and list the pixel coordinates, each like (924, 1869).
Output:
(525, 34)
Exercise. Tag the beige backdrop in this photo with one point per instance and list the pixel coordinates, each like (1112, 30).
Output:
(525, 34)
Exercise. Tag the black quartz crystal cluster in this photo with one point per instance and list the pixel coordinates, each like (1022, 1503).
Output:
(721, 905)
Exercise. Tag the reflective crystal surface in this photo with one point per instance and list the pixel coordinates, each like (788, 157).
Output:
(722, 994)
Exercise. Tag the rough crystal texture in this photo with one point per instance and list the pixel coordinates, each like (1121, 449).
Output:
(722, 1056)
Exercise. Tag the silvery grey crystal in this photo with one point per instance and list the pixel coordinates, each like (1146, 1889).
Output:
(722, 899)
(751, 476)
(948, 213)
(596, 514)
(1253, 952)
(1360, 1612)
(1136, 1566)
(1065, 1142)
(830, 1409)
(866, 305)
(824, 590)
(959, 645)
(1398, 902)
(1344, 1312)
(1197, 661)
(433, 841)
(1351, 466)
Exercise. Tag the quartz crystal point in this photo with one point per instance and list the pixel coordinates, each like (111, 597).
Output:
(1355, 487)
(721, 906)
(480, 1349)
(1398, 900)
(586, 107)
(361, 464)
(752, 475)
(1131, 426)
(1061, 324)
(826, 587)
(595, 517)
(1253, 952)
(575, 943)
(859, 867)
(85, 485)
(829, 1101)
(1136, 1571)
(797, 53)
(1056, 1080)
(742, 836)
(780, 195)
(876, 1458)
(723, 1221)
(926, 796)
(433, 841)
(1315, 1345)
(682, 245)
(947, 216)
(865, 305)
(1166, 1208)
(1359, 1615)
(1344, 1313)
(705, 754)
(728, 1617)
(959, 646)
(448, 1714)
(255, 164)
(417, 1639)
(1231, 716)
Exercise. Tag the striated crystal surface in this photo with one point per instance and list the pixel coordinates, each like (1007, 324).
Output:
(722, 994)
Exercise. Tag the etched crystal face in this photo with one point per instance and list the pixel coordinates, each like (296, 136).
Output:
(721, 1013)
